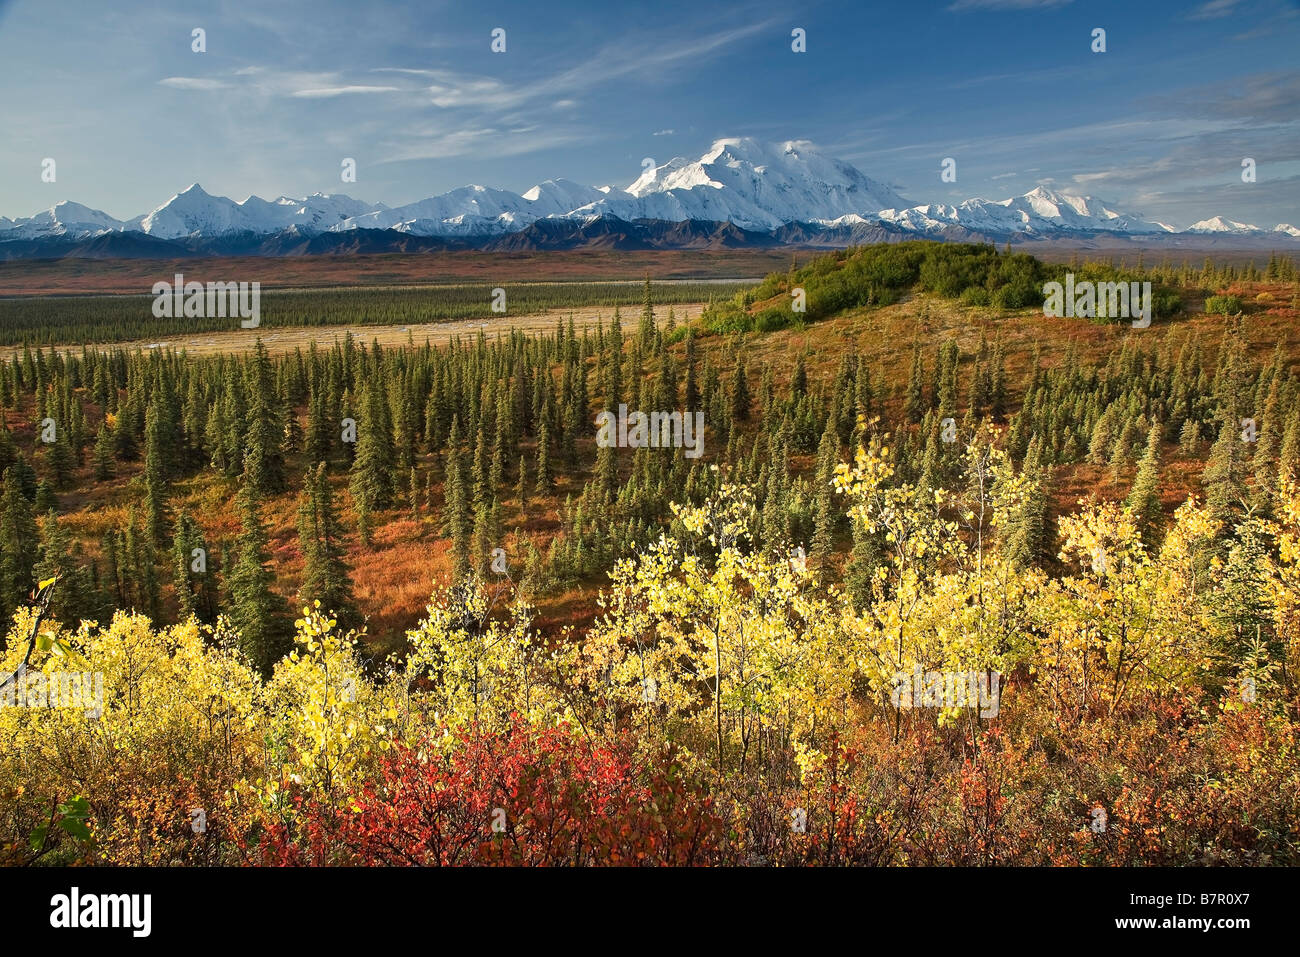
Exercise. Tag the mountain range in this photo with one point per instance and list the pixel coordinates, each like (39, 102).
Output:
(739, 193)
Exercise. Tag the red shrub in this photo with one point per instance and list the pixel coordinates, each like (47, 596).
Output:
(528, 797)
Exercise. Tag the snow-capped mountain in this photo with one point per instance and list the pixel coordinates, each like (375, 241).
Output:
(1041, 211)
(1217, 224)
(63, 219)
(752, 185)
(1220, 226)
(469, 210)
(196, 213)
(556, 197)
(777, 193)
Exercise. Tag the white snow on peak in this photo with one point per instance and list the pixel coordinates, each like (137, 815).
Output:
(196, 213)
(753, 185)
(555, 197)
(62, 219)
(1218, 224)
(1040, 211)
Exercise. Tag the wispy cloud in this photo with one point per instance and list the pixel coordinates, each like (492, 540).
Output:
(445, 143)
(193, 83)
(1214, 9)
(1261, 97)
(478, 112)
(343, 91)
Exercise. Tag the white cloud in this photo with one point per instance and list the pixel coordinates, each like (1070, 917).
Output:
(344, 91)
(1214, 9)
(193, 83)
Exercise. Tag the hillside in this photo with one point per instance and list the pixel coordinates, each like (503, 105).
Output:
(408, 554)
(920, 470)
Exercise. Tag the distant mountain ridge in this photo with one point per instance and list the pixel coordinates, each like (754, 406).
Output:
(767, 194)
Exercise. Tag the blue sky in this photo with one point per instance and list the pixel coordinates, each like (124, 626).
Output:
(1009, 88)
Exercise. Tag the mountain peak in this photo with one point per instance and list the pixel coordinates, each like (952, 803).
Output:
(1042, 211)
(755, 186)
(1045, 192)
(1218, 224)
(740, 147)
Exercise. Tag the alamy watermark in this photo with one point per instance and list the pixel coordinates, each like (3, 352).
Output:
(55, 689)
(948, 689)
(1105, 300)
(655, 430)
(130, 911)
(216, 300)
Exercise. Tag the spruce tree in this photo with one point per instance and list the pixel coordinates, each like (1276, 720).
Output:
(799, 378)
(316, 441)
(326, 576)
(371, 480)
(18, 543)
(1025, 535)
(103, 457)
(8, 451)
(483, 540)
(692, 390)
(1119, 458)
(998, 383)
(740, 397)
(1104, 434)
(62, 461)
(294, 436)
(545, 479)
(946, 373)
(1267, 447)
(155, 476)
(480, 469)
(860, 570)
(1288, 458)
(75, 597)
(259, 615)
(45, 498)
(1224, 471)
(125, 448)
(263, 444)
(457, 518)
(646, 327)
(1144, 498)
(824, 521)
(193, 571)
(914, 406)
